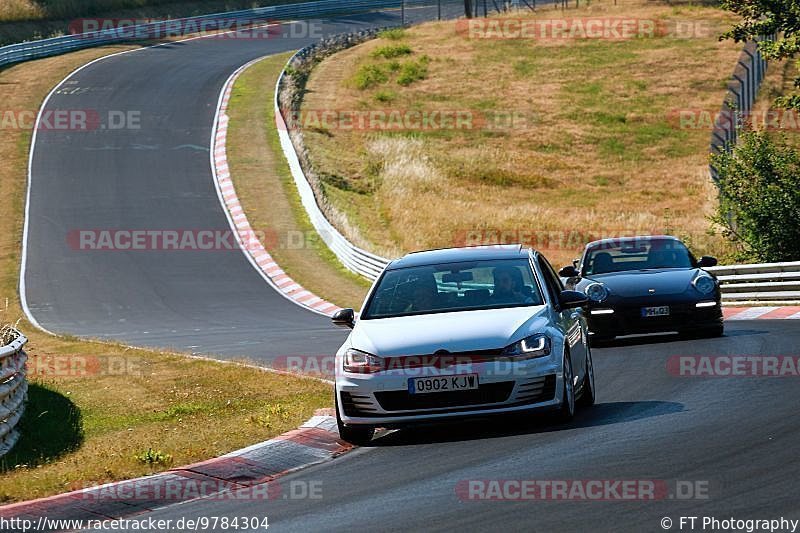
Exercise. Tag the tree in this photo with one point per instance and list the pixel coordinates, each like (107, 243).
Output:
(770, 17)
(759, 205)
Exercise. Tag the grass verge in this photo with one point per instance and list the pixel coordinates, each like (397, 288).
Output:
(95, 408)
(565, 139)
(268, 195)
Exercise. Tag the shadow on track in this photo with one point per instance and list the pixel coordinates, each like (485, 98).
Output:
(505, 426)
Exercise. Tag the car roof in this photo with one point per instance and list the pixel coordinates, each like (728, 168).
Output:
(612, 240)
(457, 255)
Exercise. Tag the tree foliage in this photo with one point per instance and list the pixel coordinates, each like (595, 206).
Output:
(779, 18)
(760, 197)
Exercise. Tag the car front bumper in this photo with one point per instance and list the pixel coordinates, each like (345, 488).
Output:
(628, 320)
(383, 399)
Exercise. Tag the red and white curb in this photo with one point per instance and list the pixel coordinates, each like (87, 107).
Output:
(249, 474)
(762, 313)
(251, 245)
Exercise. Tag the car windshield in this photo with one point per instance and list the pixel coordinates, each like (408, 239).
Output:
(453, 287)
(623, 255)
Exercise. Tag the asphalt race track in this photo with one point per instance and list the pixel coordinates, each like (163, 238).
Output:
(737, 436)
(158, 177)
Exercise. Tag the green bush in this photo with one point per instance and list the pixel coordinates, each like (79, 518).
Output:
(759, 205)
(392, 50)
(411, 71)
(395, 34)
(369, 75)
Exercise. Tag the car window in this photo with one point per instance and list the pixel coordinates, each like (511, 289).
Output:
(451, 287)
(622, 255)
(551, 280)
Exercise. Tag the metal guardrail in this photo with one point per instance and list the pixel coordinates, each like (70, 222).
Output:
(351, 256)
(766, 283)
(743, 87)
(13, 390)
(16, 53)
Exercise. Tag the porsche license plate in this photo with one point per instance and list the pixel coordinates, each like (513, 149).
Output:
(655, 311)
(442, 383)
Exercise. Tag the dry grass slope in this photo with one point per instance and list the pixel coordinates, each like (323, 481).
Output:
(592, 149)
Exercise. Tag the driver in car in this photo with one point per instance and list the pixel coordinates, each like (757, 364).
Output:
(424, 296)
(508, 287)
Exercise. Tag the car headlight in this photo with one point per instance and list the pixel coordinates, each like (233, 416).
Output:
(704, 284)
(596, 292)
(534, 346)
(361, 362)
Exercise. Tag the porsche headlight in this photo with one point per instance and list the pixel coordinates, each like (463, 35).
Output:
(596, 292)
(704, 284)
(362, 362)
(534, 346)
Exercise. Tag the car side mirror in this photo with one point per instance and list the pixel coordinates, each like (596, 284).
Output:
(344, 318)
(568, 271)
(572, 299)
(707, 261)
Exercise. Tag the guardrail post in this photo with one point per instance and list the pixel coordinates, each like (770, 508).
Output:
(13, 390)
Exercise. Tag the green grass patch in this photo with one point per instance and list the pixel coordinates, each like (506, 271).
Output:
(368, 76)
(412, 71)
(393, 34)
(391, 51)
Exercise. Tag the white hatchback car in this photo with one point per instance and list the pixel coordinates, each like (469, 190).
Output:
(462, 332)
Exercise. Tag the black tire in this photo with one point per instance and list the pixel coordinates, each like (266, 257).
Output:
(587, 397)
(598, 341)
(358, 435)
(567, 409)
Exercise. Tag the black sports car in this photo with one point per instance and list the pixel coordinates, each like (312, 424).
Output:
(646, 285)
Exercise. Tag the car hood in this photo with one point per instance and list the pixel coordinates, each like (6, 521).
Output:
(462, 331)
(641, 282)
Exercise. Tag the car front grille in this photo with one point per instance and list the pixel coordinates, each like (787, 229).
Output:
(354, 404)
(531, 391)
(403, 401)
(537, 390)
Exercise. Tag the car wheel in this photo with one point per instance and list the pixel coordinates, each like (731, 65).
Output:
(597, 341)
(587, 389)
(567, 409)
(358, 435)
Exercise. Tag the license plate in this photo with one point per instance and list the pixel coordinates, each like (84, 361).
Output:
(655, 311)
(442, 384)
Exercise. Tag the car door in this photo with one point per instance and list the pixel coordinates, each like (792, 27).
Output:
(571, 321)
